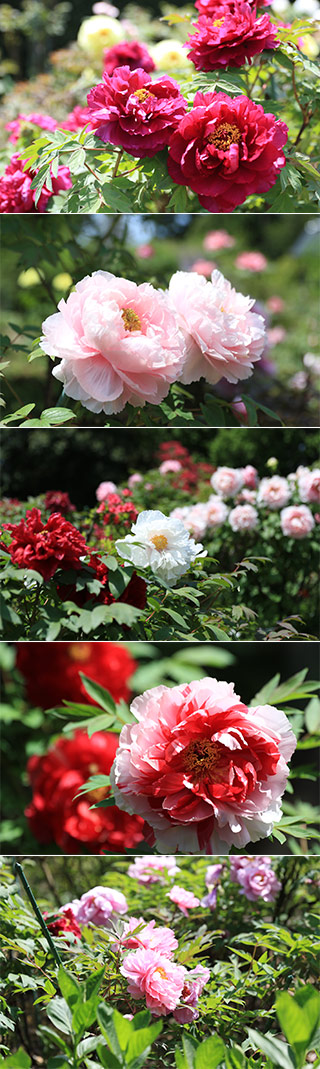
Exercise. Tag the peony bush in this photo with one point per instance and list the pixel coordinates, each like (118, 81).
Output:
(127, 970)
(212, 107)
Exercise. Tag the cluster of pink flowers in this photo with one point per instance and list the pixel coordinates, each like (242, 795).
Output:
(148, 870)
(16, 195)
(229, 35)
(99, 906)
(119, 342)
(256, 877)
(152, 973)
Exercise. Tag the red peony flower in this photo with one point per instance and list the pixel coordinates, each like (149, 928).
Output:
(231, 39)
(16, 195)
(134, 594)
(225, 149)
(61, 923)
(52, 670)
(213, 7)
(131, 110)
(57, 501)
(56, 815)
(45, 546)
(128, 54)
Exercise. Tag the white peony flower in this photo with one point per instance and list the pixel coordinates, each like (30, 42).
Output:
(161, 543)
(97, 33)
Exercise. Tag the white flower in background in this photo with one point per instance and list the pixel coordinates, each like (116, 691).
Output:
(161, 543)
(309, 484)
(311, 8)
(274, 493)
(224, 337)
(227, 481)
(170, 56)
(196, 520)
(217, 511)
(97, 33)
(243, 518)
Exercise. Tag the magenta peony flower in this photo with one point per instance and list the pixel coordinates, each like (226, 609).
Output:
(218, 239)
(104, 489)
(130, 54)
(224, 338)
(192, 989)
(231, 39)
(251, 261)
(309, 484)
(77, 119)
(227, 481)
(156, 977)
(132, 111)
(258, 880)
(118, 342)
(149, 870)
(98, 906)
(274, 493)
(213, 7)
(243, 518)
(297, 521)
(35, 118)
(16, 195)
(202, 769)
(185, 900)
(137, 933)
(226, 149)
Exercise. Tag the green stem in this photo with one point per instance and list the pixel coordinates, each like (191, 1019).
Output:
(18, 871)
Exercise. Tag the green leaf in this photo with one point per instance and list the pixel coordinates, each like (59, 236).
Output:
(276, 1051)
(298, 1017)
(69, 986)
(312, 715)
(140, 1042)
(211, 1052)
(107, 1025)
(19, 1060)
(84, 1015)
(99, 694)
(60, 1016)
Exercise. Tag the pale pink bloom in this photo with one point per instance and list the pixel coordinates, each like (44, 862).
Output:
(297, 521)
(258, 881)
(250, 496)
(309, 485)
(145, 251)
(196, 520)
(224, 338)
(138, 933)
(312, 362)
(218, 239)
(193, 988)
(203, 770)
(105, 9)
(134, 480)
(169, 465)
(156, 977)
(217, 511)
(185, 900)
(243, 518)
(181, 513)
(250, 476)
(149, 870)
(202, 267)
(239, 410)
(274, 493)
(104, 489)
(299, 381)
(242, 861)
(276, 335)
(98, 906)
(251, 261)
(275, 304)
(227, 481)
(118, 342)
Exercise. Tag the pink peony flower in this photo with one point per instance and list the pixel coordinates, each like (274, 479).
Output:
(137, 933)
(98, 906)
(239, 409)
(225, 149)
(227, 481)
(276, 335)
(149, 870)
(131, 110)
(104, 489)
(17, 126)
(243, 518)
(212, 875)
(192, 989)
(118, 342)
(249, 496)
(242, 861)
(156, 977)
(223, 336)
(275, 304)
(16, 195)
(130, 54)
(203, 770)
(218, 239)
(185, 900)
(169, 465)
(297, 521)
(213, 7)
(274, 493)
(217, 511)
(251, 261)
(309, 485)
(231, 39)
(77, 119)
(250, 476)
(258, 881)
(134, 480)
(196, 520)
(145, 251)
(202, 267)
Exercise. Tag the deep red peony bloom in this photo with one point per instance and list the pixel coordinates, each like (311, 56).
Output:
(134, 594)
(58, 501)
(16, 195)
(52, 670)
(132, 111)
(128, 54)
(56, 815)
(225, 149)
(231, 38)
(45, 546)
(62, 923)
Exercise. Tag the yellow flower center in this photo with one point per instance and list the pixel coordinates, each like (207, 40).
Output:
(79, 651)
(131, 319)
(161, 972)
(143, 94)
(224, 135)
(201, 757)
(160, 542)
(218, 22)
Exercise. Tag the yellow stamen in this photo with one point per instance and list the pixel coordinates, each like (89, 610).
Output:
(160, 542)
(224, 135)
(79, 651)
(143, 94)
(131, 319)
(201, 757)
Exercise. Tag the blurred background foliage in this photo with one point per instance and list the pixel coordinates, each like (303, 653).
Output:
(42, 261)
(76, 461)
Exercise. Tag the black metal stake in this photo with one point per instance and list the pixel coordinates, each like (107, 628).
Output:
(18, 870)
